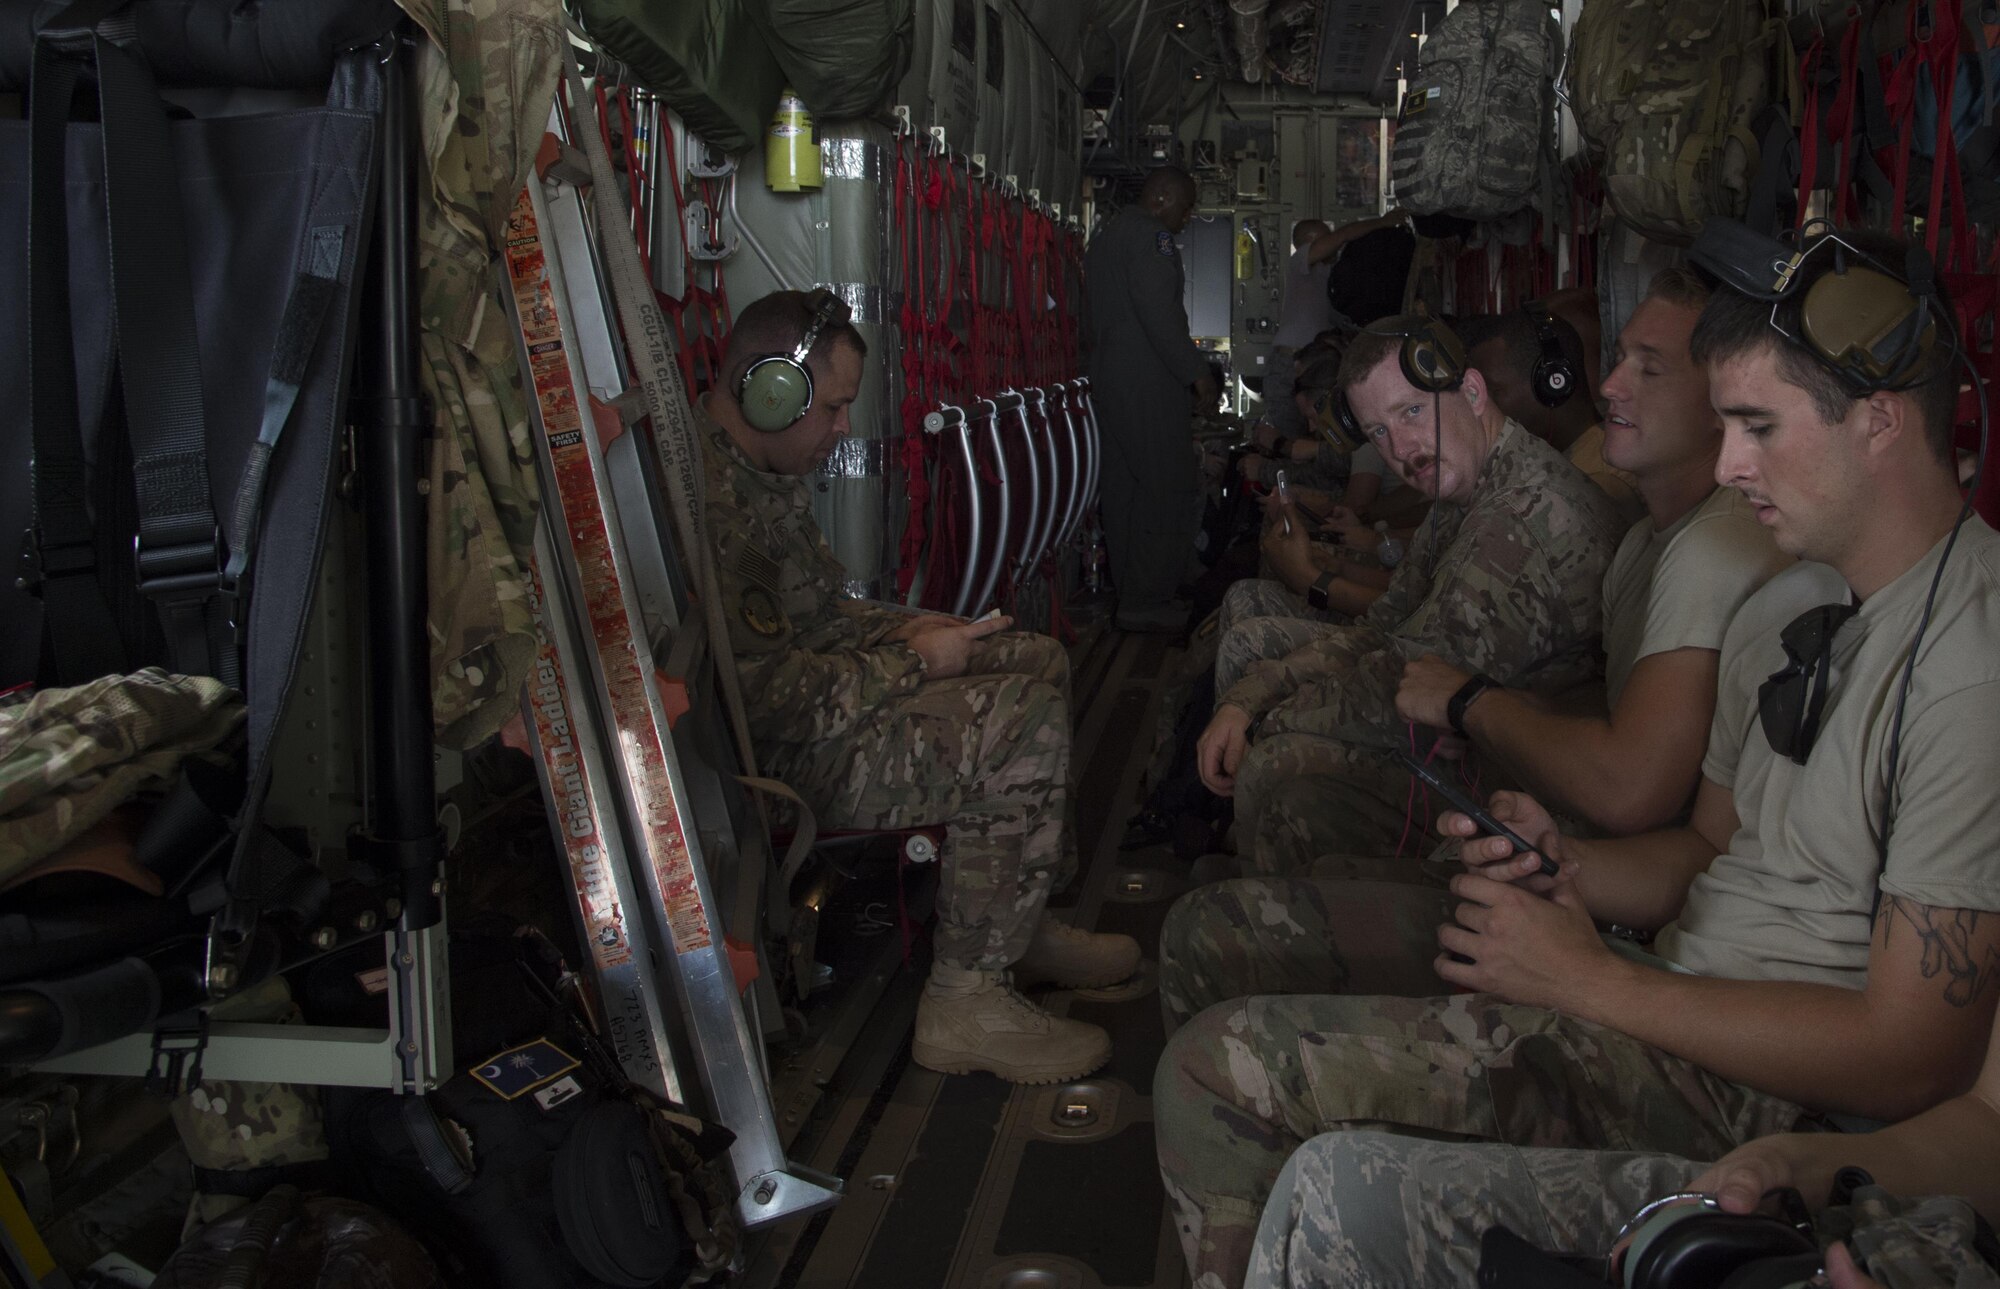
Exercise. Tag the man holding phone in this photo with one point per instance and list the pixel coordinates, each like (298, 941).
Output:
(1825, 932)
(880, 718)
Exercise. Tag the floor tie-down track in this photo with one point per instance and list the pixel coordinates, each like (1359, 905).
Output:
(603, 715)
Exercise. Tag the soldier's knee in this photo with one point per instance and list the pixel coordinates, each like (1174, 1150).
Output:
(1192, 1074)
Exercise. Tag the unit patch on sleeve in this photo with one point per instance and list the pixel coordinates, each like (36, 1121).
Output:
(1165, 241)
(760, 612)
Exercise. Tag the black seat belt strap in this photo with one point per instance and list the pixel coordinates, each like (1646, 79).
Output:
(58, 551)
(178, 554)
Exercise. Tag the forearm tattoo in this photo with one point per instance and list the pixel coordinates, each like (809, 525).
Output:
(1949, 948)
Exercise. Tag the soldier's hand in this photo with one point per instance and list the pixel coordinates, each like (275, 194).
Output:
(946, 650)
(1222, 747)
(1528, 949)
(1843, 1273)
(921, 623)
(1264, 436)
(1206, 392)
(1424, 694)
(1494, 857)
(1287, 547)
(1304, 449)
(1740, 1179)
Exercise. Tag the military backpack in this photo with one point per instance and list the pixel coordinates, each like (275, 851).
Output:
(1474, 135)
(1670, 99)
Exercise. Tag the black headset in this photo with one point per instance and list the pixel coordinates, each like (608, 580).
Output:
(775, 390)
(1555, 378)
(1432, 360)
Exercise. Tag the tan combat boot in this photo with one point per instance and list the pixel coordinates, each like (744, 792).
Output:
(1062, 955)
(973, 1020)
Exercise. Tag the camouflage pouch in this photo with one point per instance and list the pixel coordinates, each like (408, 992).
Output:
(1932, 1242)
(69, 757)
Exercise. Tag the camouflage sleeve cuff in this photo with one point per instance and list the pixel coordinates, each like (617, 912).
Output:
(1254, 695)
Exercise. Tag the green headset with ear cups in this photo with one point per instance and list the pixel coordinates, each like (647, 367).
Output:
(1432, 359)
(777, 389)
(1871, 328)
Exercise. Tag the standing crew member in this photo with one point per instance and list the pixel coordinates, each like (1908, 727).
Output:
(883, 719)
(1147, 376)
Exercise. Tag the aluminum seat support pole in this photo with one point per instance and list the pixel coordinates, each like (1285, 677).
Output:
(1058, 401)
(952, 418)
(1023, 562)
(989, 420)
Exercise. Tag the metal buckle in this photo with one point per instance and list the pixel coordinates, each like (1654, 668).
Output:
(181, 570)
(177, 1052)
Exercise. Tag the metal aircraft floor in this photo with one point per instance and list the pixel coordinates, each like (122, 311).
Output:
(967, 1182)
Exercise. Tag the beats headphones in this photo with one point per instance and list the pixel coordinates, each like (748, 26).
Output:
(1432, 360)
(777, 389)
(1554, 378)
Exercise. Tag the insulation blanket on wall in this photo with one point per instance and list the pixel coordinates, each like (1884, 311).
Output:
(707, 58)
(844, 57)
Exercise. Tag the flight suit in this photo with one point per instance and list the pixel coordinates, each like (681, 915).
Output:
(852, 724)
(1141, 363)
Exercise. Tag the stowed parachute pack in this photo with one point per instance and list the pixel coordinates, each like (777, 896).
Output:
(1672, 99)
(537, 1165)
(1474, 137)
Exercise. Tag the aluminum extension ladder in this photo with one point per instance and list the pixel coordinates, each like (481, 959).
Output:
(621, 794)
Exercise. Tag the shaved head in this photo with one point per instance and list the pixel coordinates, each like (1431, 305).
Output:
(1169, 195)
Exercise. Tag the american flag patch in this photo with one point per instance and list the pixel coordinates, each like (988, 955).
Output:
(757, 568)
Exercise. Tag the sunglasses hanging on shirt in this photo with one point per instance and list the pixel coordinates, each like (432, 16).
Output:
(1790, 701)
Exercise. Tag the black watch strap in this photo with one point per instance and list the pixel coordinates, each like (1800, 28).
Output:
(1454, 710)
(1316, 593)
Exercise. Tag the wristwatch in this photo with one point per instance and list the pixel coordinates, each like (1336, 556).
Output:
(1316, 593)
(1454, 710)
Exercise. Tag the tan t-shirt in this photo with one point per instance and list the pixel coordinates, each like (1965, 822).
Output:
(1678, 587)
(1791, 897)
(1587, 455)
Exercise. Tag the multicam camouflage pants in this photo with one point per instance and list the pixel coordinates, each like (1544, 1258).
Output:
(987, 754)
(1262, 620)
(1393, 1212)
(1244, 1084)
(1303, 796)
(1260, 935)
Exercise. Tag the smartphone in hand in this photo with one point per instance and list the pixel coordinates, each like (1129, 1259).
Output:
(1284, 492)
(1465, 805)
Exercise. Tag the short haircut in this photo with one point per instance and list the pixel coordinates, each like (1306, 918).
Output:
(1168, 181)
(1521, 340)
(1680, 285)
(1306, 231)
(774, 325)
(1379, 340)
(1734, 325)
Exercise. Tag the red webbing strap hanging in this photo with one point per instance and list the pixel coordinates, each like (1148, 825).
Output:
(1809, 129)
(1842, 116)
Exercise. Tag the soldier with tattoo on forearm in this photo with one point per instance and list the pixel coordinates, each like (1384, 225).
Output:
(1824, 931)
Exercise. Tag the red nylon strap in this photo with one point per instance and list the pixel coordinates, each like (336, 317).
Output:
(1809, 129)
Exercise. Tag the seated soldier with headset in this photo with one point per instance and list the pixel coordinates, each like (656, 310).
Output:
(1826, 934)
(1624, 759)
(883, 719)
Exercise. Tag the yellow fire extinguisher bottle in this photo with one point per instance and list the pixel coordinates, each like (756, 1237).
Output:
(791, 154)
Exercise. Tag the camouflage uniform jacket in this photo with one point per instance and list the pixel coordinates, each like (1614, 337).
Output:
(485, 79)
(1515, 591)
(812, 662)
